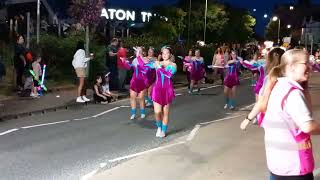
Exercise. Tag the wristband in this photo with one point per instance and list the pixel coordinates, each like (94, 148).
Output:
(248, 118)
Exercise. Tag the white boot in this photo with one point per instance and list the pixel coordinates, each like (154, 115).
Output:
(158, 134)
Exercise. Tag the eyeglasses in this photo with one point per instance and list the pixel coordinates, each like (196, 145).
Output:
(305, 63)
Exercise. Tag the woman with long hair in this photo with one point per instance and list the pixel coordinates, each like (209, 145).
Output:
(288, 121)
(273, 59)
(218, 60)
(80, 64)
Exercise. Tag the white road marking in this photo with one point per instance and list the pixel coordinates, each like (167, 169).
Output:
(145, 152)
(81, 119)
(89, 175)
(47, 124)
(102, 165)
(222, 119)
(8, 132)
(193, 132)
(210, 87)
(247, 107)
(125, 106)
(178, 94)
(105, 112)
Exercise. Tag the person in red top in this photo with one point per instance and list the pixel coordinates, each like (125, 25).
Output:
(122, 71)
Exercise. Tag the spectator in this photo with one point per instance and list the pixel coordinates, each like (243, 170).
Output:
(36, 67)
(19, 61)
(106, 87)
(98, 94)
(112, 50)
(122, 71)
(80, 64)
(288, 121)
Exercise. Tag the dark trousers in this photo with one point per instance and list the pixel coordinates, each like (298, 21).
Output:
(122, 78)
(114, 80)
(100, 99)
(302, 177)
(19, 74)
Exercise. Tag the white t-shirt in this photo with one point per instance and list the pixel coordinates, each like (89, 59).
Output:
(106, 89)
(79, 59)
(282, 130)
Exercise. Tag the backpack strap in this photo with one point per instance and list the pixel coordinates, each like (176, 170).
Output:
(286, 96)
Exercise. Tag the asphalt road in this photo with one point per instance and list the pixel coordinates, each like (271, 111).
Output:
(70, 143)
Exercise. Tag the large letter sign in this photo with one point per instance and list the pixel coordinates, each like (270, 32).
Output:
(121, 15)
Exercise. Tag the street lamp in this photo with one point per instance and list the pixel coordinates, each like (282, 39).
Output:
(189, 22)
(291, 8)
(38, 21)
(254, 10)
(275, 18)
(205, 22)
(288, 26)
(265, 15)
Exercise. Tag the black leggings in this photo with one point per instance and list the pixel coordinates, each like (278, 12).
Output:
(302, 177)
(100, 99)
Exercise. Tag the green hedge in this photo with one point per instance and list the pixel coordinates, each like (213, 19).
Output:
(58, 53)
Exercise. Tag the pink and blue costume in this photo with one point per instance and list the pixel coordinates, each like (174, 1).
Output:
(261, 70)
(163, 90)
(139, 81)
(232, 78)
(197, 70)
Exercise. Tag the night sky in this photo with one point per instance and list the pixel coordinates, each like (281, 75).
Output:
(262, 6)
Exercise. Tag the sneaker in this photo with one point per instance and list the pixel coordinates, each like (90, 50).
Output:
(225, 106)
(34, 95)
(133, 116)
(85, 99)
(143, 116)
(231, 107)
(80, 100)
(162, 134)
(158, 132)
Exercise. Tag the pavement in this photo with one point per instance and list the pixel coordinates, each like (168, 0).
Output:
(71, 143)
(58, 98)
(216, 149)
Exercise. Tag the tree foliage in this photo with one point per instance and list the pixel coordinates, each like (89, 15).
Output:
(224, 23)
(169, 25)
(87, 12)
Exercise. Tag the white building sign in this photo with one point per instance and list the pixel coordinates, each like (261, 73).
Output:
(121, 15)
